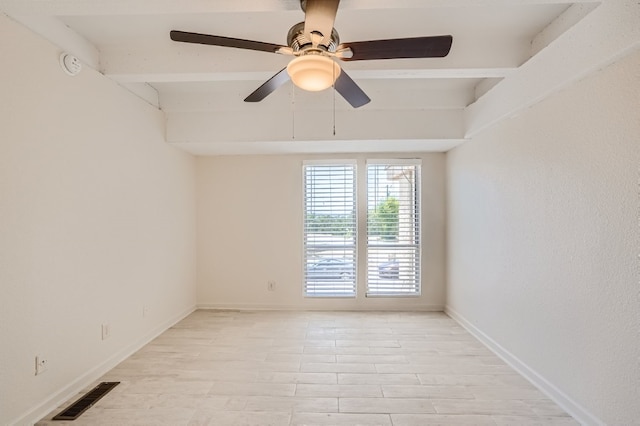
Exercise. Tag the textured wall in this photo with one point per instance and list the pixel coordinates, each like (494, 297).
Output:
(97, 220)
(250, 232)
(543, 239)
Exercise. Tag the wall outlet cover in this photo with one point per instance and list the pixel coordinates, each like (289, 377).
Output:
(41, 365)
(106, 331)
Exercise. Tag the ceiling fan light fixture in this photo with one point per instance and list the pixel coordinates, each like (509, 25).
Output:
(313, 72)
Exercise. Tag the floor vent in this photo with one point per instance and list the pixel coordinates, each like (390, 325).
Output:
(85, 402)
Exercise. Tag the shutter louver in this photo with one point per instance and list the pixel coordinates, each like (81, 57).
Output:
(329, 230)
(393, 229)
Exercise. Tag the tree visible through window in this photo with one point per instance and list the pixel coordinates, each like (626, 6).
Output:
(393, 228)
(383, 221)
(392, 212)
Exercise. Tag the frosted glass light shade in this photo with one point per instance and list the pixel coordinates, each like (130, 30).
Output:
(313, 72)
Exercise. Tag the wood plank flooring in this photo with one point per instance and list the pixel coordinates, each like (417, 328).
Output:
(317, 368)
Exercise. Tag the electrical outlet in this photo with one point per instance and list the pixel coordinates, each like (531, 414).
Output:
(41, 365)
(271, 285)
(106, 331)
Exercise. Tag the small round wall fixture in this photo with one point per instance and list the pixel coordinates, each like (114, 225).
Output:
(70, 64)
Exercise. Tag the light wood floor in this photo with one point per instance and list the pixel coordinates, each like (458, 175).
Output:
(318, 368)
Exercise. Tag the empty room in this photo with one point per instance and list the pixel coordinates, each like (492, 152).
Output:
(320, 212)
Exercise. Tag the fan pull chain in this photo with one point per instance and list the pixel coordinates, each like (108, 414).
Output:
(334, 101)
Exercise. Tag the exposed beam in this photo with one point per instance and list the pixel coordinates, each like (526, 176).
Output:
(137, 7)
(69, 41)
(491, 57)
(143, 7)
(64, 37)
(264, 124)
(574, 14)
(605, 35)
(320, 147)
(484, 86)
(400, 95)
(440, 73)
(144, 91)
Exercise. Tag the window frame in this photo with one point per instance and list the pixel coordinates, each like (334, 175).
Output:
(417, 224)
(353, 163)
(360, 253)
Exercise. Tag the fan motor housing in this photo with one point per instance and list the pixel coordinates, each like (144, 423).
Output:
(297, 40)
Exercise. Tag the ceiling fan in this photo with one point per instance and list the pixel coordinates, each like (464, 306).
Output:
(315, 44)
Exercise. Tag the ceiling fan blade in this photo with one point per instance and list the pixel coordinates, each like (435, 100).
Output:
(223, 41)
(417, 47)
(350, 90)
(319, 16)
(269, 86)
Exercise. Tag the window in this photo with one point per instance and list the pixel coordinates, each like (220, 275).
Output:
(329, 229)
(393, 228)
(392, 212)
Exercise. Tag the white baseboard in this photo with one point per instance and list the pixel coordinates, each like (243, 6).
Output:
(578, 412)
(270, 307)
(44, 408)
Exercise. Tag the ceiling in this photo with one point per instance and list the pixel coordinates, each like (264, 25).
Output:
(506, 55)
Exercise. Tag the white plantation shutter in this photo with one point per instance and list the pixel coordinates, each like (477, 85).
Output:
(329, 229)
(393, 228)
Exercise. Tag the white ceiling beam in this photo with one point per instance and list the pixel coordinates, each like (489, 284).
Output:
(574, 14)
(484, 86)
(71, 42)
(143, 7)
(439, 73)
(420, 95)
(320, 147)
(62, 36)
(159, 7)
(491, 57)
(605, 35)
(144, 91)
(258, 122)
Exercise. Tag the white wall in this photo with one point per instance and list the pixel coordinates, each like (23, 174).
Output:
(543, 242)
(250, 232)
(97, 219)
